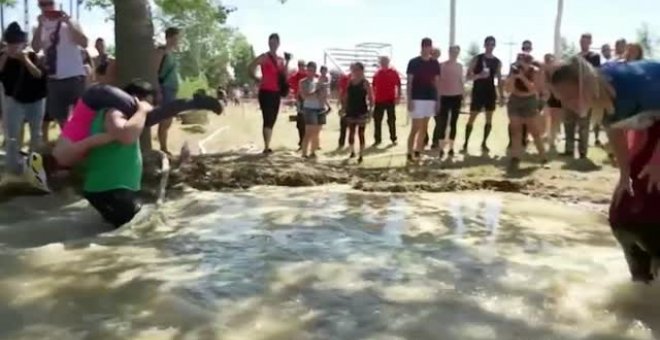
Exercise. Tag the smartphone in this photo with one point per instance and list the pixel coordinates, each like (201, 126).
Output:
(287, 56)
(53, 14)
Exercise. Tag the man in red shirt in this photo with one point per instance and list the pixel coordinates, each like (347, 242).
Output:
(344, 79)
(387, 94)
(294, 84)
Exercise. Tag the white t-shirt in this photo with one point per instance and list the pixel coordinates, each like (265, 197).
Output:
(69, 58)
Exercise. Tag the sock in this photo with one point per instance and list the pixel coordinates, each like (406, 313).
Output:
(487, 129)
(468, 132)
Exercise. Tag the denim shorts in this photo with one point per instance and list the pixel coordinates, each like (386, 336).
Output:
(314, 116)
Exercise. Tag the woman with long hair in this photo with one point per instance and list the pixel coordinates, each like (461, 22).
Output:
(358, 103)
(523, 107)
(628, 93)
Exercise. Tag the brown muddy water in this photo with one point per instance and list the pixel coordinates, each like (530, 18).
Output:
(319, 263)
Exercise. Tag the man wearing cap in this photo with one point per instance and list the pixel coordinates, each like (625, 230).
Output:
(423, 82)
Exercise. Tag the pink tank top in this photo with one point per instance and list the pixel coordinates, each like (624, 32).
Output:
(79, 125)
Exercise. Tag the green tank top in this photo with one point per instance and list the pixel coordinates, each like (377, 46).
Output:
(168, 74)
(114, 165)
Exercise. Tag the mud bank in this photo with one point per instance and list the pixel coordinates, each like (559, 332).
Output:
(224, 172)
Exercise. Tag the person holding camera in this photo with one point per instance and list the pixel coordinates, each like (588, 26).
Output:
(522, 106)
(25, 89)
(61, 39)
(272, 85)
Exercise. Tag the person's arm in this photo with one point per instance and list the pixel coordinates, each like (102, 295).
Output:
(76, 32)
(252, 68)
(127, 131)
(3, 61)
(370, 94)
(529, 84)
(36, 37)
(399, 94)
(500, 83)
(303, 91)
(29, 64)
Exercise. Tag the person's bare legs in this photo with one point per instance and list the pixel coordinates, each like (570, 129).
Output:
(516, 124)
(316, 130)
(555, 126)
(488, 127)
(307, 139)
(422, 126)
(412, 137)
(163, 130)
(534, 128)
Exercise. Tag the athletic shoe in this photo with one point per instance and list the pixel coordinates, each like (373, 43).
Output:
(205, 102)
(451, 153)
(359, 160)
(35, 171)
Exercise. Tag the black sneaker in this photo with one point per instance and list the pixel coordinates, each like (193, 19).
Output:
(377, 143)
(206, 102)
(568, 154)
(484, 148)
(515, 162)
(583, 156)
(418, 154)
(312, 156)
(394, 142)
(451, 153)
(352, 155)
(441, 154)
(598, 143)
(359, 160)
(267, 151)
(410, 158)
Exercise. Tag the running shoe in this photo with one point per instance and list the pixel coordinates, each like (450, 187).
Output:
(202, 101)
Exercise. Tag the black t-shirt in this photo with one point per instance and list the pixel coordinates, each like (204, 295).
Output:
(424, 73)
(493, 64)
(593, 58)
(20, 84)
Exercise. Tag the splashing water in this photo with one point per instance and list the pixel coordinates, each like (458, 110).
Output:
(319, 263)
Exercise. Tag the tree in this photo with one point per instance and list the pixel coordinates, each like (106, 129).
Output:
(472, 51)
(567, 50)
(5, 4)
(558, 38)
(647, 39)
(242, 53)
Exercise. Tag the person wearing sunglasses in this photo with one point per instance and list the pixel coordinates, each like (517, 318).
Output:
(61, 40)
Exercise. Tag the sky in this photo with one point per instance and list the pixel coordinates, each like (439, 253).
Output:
(307, 27)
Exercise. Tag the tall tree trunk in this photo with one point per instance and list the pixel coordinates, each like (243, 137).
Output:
(560, 13)
(134, 32)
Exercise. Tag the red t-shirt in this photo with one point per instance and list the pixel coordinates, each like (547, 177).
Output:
(386, 82)
(270, 72)
(343, 83)
(294, 81)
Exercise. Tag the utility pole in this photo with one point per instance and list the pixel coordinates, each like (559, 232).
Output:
(26, 11)
(452, 22)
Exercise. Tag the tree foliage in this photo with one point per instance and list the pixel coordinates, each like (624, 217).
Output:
(242, 53)
(472, 51)
(647, 40)
(567, 50)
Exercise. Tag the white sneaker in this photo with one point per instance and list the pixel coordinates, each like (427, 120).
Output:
(35, 171)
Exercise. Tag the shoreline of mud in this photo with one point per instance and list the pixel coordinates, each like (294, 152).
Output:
(232, 171)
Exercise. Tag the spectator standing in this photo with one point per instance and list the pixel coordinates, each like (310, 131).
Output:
(61, 39)
(168, 79)
(387, 93)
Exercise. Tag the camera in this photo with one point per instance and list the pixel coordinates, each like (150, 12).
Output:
(287, 56)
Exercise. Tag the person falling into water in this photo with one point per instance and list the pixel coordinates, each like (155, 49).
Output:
(628, 93)
(484, 69)
(358, 103)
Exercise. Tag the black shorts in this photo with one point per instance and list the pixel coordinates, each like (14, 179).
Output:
(483, 100)
(554, 102)
(269, 102)
(117, 207)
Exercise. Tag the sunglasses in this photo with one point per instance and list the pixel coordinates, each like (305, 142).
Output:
(46, 3)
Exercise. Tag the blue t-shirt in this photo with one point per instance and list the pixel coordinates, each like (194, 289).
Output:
(637, 98)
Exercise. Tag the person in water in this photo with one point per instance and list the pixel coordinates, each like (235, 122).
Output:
(76, 139)
(628, 92)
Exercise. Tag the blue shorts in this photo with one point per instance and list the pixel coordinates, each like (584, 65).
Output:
(169, 94)
(314, 116)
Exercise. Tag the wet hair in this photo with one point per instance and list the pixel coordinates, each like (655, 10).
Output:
(578, 71)
(274, 36)
(488, 39)
(639, 49)
(139, 88)
(359, 66)
(171, 32)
